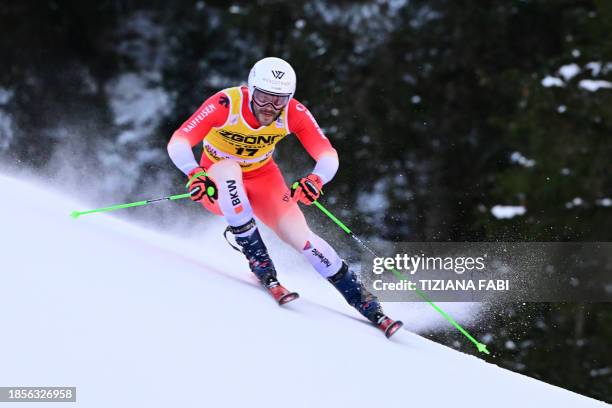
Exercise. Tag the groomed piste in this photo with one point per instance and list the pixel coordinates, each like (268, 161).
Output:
(125, 315)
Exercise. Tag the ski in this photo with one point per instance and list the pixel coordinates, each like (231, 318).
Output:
(280, 293)
(388, 325)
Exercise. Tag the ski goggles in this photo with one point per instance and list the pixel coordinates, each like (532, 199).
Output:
(261, 99)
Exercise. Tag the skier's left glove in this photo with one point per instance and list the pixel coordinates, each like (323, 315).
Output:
(307, 189)
(200, 185)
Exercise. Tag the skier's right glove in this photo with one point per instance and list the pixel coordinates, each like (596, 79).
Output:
(200, 185)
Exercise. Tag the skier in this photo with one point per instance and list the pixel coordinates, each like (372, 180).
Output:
(237, 178)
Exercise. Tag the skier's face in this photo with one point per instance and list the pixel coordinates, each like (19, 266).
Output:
(267, 106)
(265, 115)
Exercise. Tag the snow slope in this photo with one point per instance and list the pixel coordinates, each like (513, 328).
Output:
(136, 318)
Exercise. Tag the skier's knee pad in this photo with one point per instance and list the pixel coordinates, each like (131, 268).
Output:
(225, 169)
(321, 256)
(233, 201)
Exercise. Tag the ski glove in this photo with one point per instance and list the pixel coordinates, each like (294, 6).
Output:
(200, 185)
(307, 189)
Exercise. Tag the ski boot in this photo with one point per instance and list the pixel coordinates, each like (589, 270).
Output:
(347, 283)
(252, 246)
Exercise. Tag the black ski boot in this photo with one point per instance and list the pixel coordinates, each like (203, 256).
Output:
(361, 299)
(253, 247)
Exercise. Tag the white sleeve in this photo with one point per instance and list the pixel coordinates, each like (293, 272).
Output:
(327, 166)
(181, 154)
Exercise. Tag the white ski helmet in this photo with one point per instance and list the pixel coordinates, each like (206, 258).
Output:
(272, 75)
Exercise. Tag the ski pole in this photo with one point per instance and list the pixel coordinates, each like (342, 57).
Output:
(481, 347)
(76, 214)
(210, 191)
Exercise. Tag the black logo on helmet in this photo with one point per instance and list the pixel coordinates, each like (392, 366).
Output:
(278, 74)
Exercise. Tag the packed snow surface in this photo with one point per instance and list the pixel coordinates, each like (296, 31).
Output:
(138, 318)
